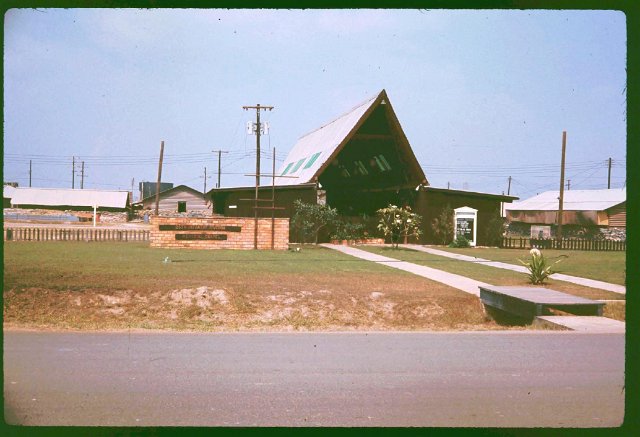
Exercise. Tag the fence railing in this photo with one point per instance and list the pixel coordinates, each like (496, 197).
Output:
(564, 244)
(65, 234)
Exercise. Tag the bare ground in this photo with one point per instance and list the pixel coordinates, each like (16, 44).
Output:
(315, 305)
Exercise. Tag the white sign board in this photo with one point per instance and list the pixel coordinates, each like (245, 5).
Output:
(465, 220)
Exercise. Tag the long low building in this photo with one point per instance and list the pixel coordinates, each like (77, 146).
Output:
(67, 199)
(604, 208)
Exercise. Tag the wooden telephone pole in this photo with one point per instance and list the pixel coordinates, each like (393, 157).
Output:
(220, 152)
(159, 176)
(561, 198)
(258, 107)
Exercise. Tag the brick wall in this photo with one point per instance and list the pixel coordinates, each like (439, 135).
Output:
(242, 239)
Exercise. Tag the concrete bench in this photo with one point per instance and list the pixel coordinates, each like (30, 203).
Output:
(530, 302)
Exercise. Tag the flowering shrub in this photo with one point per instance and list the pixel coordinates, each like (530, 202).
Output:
(538, 269)
(399, 223)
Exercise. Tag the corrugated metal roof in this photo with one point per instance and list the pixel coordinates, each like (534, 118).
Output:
(313, 150)
(69, 197)
(7, 191)
(574, 200)
(171, 190)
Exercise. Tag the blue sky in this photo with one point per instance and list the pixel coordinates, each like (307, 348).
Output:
(481, 95)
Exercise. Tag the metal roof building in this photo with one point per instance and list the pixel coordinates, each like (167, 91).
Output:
(366, 143)
(596, 207)
(181, 199)
(57, 198)
(357, 163)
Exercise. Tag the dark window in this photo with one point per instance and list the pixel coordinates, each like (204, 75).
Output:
(182, 206)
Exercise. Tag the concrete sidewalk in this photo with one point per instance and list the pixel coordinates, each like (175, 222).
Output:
(463, 283)
(574, 323)
(590, 324)
(521, 269)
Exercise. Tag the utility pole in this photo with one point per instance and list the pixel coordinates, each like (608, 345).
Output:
(82, 177)
(73, 172)
(258, 108)
(132, 182)
(255, 206)
(561, 198)
(220, 152)
(509, 187)
(609, 178)
(568, 184)
(29, 173)
(159, 176)
(205, 181)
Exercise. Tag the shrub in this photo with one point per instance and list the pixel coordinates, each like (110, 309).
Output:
(538, 269)
(495, 230)
(442, 226)
(460, 241)
(310, 218)
(396, 223)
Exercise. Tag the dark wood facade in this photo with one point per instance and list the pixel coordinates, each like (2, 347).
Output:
(238, 202)
(431, 201)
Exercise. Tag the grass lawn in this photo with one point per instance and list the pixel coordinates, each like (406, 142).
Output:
(602, 266)
(77, 285)
(495, 276)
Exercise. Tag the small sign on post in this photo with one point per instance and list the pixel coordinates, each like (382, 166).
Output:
(466, 223)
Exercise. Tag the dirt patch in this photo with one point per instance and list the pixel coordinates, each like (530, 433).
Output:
(203, 297)
(317, 305)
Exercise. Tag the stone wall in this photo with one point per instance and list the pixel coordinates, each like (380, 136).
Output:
(217, 233)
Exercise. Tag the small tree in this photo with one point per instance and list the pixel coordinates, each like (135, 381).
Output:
(397, 223)
(495, 230)
(442, 226)
(310, 218)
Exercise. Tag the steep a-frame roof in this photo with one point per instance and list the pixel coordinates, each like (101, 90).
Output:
(315, 151)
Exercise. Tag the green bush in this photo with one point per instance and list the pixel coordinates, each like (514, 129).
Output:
(442, 226)
(309, 218)
(460, 241)
(495, 230)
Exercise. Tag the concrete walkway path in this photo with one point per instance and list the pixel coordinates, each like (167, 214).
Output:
(590, 324)
(456, 281)
(471, 286)
(521, 269)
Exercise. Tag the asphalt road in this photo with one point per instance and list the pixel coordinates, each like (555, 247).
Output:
(495, 379)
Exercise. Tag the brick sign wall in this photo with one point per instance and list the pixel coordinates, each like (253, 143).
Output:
(217, 233)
